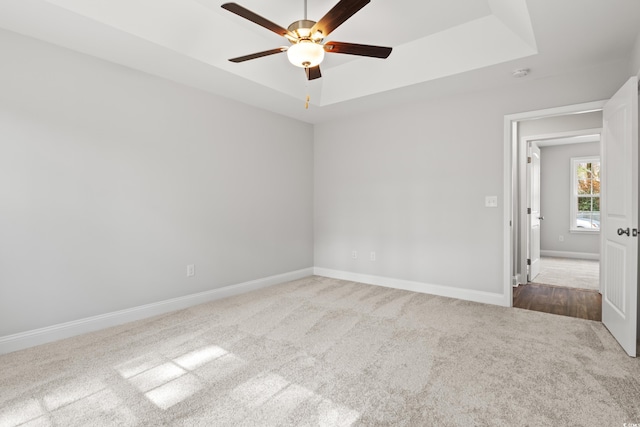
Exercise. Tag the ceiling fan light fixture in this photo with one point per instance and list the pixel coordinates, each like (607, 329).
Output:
(306, 54)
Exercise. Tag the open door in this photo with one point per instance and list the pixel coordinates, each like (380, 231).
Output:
(619, 264)
(533, 178)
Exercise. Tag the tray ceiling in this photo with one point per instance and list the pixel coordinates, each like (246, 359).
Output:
(189, 41)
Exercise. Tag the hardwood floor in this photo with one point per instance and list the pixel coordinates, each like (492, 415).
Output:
(580, 303)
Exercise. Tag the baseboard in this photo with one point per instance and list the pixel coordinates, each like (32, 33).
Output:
(60, 331)
(573, 255)
(517, 280)
(425, 288)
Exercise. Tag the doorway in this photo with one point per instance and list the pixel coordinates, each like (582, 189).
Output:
(563, 192)
(557, 261)
(549, 222)
(549, 130)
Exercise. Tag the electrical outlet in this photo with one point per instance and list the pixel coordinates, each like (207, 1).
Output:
(373, 256)
(354, 254)
(561, 238)
(191, 270)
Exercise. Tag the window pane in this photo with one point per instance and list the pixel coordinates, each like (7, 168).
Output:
(596, 205)
(583, 173)
(584, 186)
(588, 221)
(596, 178)
(584, 204)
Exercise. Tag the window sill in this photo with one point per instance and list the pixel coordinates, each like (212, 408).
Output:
(583, 231)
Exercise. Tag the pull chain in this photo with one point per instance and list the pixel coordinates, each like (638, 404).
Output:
(305, 9)
(306, 87)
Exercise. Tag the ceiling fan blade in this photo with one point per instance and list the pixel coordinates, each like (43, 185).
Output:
(342, 11)
(258, 54)
(257, 19)
(358, 49)
(313, 72)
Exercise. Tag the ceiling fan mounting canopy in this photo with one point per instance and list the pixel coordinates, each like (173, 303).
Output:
(306, 36)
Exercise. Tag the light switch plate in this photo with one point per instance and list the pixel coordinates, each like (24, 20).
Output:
(491, 201)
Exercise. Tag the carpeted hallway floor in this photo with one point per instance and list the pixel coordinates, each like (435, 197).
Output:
(569, 273)
(324, 352)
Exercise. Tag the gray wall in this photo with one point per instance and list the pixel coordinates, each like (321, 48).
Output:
(555, 185)
(409, 182)
(635, 61)
(112, 181)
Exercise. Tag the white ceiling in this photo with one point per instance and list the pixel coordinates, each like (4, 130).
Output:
(439, 47)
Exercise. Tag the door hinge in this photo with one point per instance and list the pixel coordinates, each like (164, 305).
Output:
(529, 211)
(528, 261)
(528, 159)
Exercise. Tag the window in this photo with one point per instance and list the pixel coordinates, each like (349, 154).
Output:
(585, 194)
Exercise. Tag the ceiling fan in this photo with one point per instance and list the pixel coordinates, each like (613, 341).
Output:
(306, 37)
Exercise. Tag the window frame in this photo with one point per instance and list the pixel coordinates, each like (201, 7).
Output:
(573, 199)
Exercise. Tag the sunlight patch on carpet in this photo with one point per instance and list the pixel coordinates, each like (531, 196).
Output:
(174, 391)
(21, 412)
(197, 358)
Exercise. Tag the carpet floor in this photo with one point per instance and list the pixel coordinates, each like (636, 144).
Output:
(569, 273)
(325, 352)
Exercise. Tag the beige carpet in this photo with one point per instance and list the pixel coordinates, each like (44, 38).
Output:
(569, 273)
(323, 352)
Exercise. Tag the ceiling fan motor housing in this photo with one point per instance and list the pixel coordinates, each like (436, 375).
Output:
(302, 29)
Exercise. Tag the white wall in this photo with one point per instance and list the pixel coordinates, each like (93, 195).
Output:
(410, 182)
(112, 181)
(559, 124)
(555, 185)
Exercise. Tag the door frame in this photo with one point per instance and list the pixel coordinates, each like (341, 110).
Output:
(512, 220)
(529, 147)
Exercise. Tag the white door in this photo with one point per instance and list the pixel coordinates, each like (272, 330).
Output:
(619, 264)
(534, 211)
